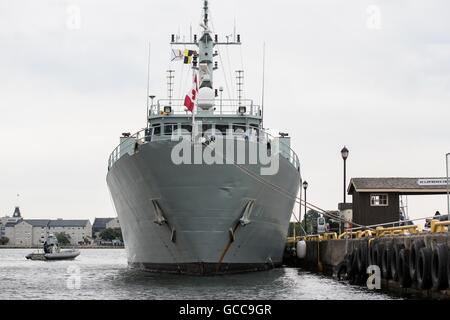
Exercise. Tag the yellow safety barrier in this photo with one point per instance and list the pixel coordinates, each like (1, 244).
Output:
(329, 236)
(393, 231)
(356, 234)
(436, 226)
(439, 226)
(292, 240)
(312, 238)
(368, 233)
(348, 234)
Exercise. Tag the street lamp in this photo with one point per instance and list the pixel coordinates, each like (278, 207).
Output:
(344, 154)
(305, 186)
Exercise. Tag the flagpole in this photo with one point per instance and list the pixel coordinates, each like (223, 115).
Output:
(193, 110)
(148, 83)
(263, 84)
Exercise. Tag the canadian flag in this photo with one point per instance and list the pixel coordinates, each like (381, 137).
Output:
(189, 100)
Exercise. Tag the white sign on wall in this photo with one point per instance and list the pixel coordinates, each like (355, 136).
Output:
(432, 182)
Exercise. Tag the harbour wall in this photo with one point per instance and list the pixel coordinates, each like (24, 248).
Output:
(415, 266)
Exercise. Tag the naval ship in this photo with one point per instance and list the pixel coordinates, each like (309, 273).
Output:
(204, 188)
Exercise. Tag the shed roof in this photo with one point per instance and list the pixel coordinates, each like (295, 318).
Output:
(411, 186)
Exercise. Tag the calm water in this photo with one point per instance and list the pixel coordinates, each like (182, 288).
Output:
(103, 274)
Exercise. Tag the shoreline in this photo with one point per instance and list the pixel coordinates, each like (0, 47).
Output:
(65, 247)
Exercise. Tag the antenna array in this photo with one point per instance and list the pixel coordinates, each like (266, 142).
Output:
(240, 85)
(170, 77)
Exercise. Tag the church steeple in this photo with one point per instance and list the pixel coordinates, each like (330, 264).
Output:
(17, 213)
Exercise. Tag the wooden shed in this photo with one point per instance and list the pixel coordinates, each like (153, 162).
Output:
(376, 200)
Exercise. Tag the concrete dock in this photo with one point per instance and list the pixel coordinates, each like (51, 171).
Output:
(410, 263)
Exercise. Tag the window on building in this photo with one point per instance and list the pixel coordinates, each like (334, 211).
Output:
(379, 200)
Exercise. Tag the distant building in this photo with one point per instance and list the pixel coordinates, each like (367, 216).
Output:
(9, 222)
(9, 232)
(101, 224)
(23, 234)
(113, 224)
(17, 216)
(33, 232)
(78, 230)
(39, 230)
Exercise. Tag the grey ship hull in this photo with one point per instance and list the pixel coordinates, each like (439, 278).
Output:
(202, 205)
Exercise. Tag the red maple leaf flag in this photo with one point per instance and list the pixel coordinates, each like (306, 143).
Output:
(189, 100)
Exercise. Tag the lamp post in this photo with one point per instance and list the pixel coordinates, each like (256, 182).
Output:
(344, 154)
(221, 92)
(448, 186)
(305, 186)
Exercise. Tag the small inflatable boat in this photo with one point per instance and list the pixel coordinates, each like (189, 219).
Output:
(52, 251)
(61, 255)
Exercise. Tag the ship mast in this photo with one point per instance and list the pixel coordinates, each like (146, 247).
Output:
(206, 52)
(203, 60)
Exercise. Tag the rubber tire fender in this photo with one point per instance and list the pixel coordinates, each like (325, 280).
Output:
(424, 268)
(349, 264)
(341, 271)
(354, 275)
(394, 260)
(448, 268)
(439, 267)
(369, 252)
(404, 277)
(362, 257)
(386, 262)
(414, 258)
(377, 254)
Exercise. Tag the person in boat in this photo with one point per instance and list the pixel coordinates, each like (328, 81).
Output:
(51, 244)
(46, 247)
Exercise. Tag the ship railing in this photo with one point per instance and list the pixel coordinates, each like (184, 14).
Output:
(124, 146)
(156, 133)
(225, 107)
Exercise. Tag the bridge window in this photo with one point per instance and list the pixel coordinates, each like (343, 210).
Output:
(206, 127)
(379, 200)
(157, 130)
(169, 129)
(187, 127)
(253, 130)
(222, 128)
(239, 128)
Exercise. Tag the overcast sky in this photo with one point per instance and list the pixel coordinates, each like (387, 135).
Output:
(373, 75)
